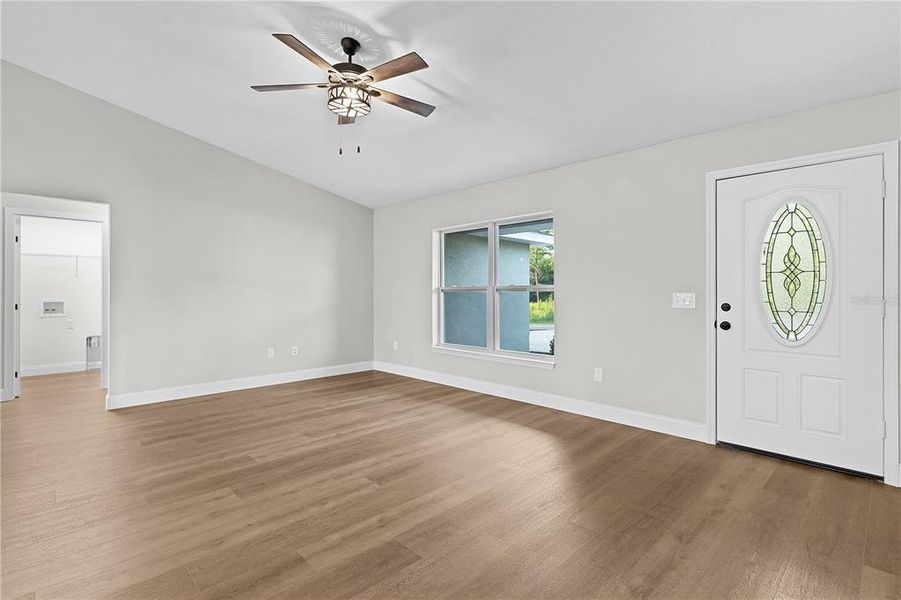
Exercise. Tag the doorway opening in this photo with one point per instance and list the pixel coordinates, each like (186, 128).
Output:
(56, 296)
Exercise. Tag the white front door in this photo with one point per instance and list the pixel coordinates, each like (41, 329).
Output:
(800, 314)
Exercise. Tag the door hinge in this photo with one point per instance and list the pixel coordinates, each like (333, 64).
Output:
(884, 429)
(16, 374)
(884, 189)
(16, 307)
(17, 239)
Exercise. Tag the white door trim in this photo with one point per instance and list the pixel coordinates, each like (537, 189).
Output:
(891, 403)
(10, 272)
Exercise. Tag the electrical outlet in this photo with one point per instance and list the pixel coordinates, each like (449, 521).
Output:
(295, 350)
(394, 345)
(598, 374)
(270, 352)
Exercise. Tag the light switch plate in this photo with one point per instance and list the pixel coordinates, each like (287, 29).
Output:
(683, 299)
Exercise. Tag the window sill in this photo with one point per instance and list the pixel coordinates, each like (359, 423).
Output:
(525, 361)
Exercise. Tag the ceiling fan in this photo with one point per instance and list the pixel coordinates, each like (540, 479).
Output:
(349, 85)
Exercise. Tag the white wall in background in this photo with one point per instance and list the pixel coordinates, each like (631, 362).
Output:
(629, 231)
(214, 258)
(60, 259)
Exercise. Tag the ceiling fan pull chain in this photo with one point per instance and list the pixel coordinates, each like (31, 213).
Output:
(340, 141)
(357, 132)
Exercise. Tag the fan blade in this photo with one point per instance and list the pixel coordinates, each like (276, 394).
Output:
(345, 120)
(295, 44)
(288, 86)
(399, 66)
(420, 108)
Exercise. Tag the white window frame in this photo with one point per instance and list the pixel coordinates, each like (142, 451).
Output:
(492, 351)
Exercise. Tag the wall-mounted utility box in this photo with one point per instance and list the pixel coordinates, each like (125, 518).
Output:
(53, 307)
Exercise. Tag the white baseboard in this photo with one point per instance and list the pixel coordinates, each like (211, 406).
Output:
(52, 368)
(669, 425)
(126, 400)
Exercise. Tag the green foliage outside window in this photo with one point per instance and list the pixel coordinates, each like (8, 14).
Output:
(542, 310)
(541, 265)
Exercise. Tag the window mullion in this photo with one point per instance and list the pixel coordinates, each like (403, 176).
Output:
(470, 288)
(525, 288)
(491, 299)
(441, 244)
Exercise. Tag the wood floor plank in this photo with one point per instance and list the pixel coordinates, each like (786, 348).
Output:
(173, 584)
(883, 549)
(879, 585)
(265, 566)
(371, 485)
(527, 563)
(698, 521)
(829, 563)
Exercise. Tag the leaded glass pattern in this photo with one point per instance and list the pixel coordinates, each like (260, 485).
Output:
(793, 274)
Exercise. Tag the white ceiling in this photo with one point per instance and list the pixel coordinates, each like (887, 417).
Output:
(519, 87)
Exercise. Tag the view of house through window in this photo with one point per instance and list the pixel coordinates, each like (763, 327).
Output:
(497, 290)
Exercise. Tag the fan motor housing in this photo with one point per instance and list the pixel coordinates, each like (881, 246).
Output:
(349, 68)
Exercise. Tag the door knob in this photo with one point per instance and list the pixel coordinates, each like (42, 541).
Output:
(726, 307)
(725, 325)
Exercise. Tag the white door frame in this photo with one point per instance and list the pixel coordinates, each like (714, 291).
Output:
(892, 407)
(11, 273)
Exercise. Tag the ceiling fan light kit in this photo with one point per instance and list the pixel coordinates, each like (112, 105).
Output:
(350, 92)
(349, 101)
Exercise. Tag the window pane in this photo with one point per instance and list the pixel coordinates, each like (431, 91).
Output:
(466, 258)
(527, 322)
(464, 318)
(526, 253)
(793, 272)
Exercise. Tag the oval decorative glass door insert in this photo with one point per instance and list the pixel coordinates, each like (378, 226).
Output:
(793, 272)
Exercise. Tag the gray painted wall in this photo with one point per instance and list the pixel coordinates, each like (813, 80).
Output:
(214, 258)
(630, 230)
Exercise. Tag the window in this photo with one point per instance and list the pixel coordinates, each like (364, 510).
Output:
(495, 289)
(793, 273)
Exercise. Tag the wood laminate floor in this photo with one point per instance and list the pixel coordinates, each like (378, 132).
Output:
(377, 486)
